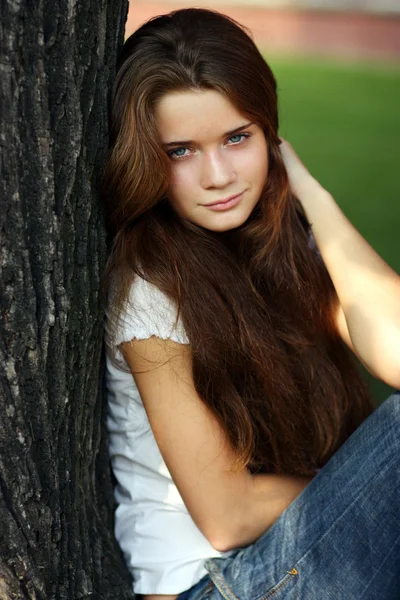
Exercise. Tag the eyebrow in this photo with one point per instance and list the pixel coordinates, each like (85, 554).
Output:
(227, 133)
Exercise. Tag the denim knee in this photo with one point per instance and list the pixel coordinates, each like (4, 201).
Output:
(390, 408)
(385, 425)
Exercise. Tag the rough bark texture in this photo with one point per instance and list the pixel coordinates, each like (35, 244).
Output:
(56, 539)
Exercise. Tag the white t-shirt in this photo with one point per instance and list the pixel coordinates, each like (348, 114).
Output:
(163, 548)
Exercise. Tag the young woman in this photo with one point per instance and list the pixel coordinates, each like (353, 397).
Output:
(248, 459)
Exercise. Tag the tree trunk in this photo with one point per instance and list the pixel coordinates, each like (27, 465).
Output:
(56, 504)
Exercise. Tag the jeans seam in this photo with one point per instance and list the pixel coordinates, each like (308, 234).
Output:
(203, 590)
(223, 586)
(281, 584)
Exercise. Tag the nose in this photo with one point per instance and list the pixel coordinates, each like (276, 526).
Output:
(217, 170)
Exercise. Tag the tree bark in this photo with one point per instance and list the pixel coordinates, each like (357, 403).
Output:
(56, 504)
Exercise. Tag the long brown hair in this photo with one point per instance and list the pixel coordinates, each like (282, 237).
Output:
(256, 302)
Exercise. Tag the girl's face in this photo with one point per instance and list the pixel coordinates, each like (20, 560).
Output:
(215, 153)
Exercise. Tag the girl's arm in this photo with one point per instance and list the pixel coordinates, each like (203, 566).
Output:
(232, 509)
(367, 287)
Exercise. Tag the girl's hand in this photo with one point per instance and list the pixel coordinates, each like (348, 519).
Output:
(300, 179)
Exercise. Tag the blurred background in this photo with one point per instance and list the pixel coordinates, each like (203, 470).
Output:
(337, 64)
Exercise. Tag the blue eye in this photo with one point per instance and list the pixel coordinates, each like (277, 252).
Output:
(177, 153)
(234, 139)
(238, 137)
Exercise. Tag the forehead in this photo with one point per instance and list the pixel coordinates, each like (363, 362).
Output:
(195, 115)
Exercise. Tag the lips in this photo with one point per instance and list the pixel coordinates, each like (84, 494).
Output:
(224, 200)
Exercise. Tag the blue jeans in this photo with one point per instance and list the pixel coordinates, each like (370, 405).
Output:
(338, 540)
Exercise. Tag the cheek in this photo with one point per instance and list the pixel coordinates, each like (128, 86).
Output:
(181, 180)
(255, 164)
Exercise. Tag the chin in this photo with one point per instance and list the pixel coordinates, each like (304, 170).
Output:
(224, 228)
(225, 222)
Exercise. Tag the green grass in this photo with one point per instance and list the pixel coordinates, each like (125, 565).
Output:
(344, 122)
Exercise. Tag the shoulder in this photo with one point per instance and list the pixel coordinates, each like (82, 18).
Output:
(148, 312)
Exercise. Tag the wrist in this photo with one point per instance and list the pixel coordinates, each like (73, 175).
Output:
(307, 187)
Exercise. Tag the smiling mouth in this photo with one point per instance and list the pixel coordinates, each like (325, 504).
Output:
(224, 200)
(226, 204)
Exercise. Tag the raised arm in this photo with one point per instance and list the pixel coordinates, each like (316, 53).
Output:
(367, 287)
(231, 508)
